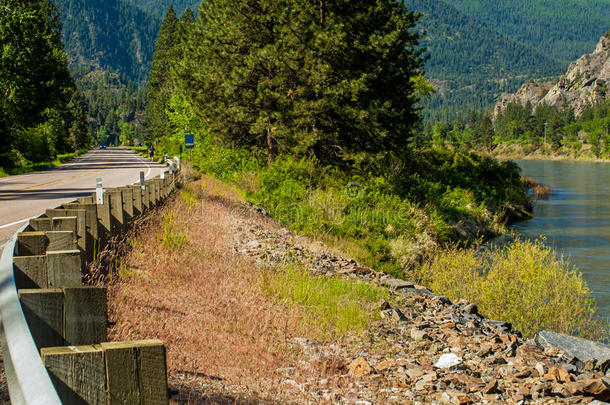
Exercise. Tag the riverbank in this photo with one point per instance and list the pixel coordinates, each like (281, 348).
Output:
(232, 294)
(520, 152)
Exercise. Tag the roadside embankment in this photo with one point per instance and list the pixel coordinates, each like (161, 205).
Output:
(234, 296)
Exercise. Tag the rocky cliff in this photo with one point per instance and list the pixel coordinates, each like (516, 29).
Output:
(585, 83)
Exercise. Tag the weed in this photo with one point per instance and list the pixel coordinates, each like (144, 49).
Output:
(172, 237)
(337, 306)
(524, 283)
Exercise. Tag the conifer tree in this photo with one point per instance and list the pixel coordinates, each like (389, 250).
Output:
(39, 94)
(331, 78)
(159, 87)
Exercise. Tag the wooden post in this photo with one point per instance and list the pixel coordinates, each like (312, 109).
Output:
(136, 369)
(138, 207)
(157, 182)
(30, 271)
(104, 228)
(116, 212)
(39, 225)
(44, 313)
(91, 225)
(80, 227)
(31, 243)
(86, 200)
(145, 198)
(152, 372)
(61, 240)
(85, 317)
(127, 196)
(78, 373)
(64, 268)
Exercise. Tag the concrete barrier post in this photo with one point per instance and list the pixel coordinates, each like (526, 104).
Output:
(78, 373)
(85, 316)
(44, 313)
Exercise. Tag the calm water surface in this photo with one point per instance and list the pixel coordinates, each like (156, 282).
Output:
(575, 219)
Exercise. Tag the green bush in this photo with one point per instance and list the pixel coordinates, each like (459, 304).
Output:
(524, 283)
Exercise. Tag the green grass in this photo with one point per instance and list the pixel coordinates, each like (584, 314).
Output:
(337, 306)
(38, 166)
(172, 237)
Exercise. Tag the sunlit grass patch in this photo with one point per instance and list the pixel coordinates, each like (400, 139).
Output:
(336, 306)
(172, 237)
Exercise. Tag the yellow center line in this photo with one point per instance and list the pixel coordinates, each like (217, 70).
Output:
(38, 186)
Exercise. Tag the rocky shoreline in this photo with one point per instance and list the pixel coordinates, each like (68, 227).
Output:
(425, 348)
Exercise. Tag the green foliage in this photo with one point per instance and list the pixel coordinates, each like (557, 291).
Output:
(337, 306)
(293, 76)
(41, 112)
(172, 237)
(524, 283)
(111, 35)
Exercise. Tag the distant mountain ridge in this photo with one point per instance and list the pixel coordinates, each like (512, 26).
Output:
(585, 83)
(109, 35)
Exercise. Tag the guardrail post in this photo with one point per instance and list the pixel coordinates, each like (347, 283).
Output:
(127, 196)
(78, 373)
(138, 207)
(145, 361)
(85, 319)
(31, 243)
(64, 268)
(44, 313)
(116, 212)
(30, 271)
(104, 228)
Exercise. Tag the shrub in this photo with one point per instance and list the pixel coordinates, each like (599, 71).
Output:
(524, 283)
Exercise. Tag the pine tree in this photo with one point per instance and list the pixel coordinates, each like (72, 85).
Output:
(159, 86)
(332, 79)
(37, 88)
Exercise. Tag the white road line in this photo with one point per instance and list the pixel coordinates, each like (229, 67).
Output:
(15, 223)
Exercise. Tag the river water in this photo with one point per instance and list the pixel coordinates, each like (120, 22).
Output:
(575, 219)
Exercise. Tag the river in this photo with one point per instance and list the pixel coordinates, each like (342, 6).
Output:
(575, 219)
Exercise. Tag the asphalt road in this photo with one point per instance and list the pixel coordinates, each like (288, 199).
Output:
(28, 195)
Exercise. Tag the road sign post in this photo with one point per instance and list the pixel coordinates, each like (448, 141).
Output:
(189, 142)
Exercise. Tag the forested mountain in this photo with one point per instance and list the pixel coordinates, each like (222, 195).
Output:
(109, 34)
(159, 7)
(562, 29)
(470, 63)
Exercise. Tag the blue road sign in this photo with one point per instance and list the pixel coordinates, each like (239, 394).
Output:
(189, 141)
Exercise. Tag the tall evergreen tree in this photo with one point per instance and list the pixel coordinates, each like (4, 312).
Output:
(159, 87)
(332, 79)
(36, 85)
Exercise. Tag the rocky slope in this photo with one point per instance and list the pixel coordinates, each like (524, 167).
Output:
(585, 83)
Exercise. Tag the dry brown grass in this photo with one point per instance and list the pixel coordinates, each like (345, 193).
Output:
(540, 191)
(203, 300)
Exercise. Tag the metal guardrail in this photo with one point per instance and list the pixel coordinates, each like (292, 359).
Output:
(27, 378)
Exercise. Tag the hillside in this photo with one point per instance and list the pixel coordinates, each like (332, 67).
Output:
(158, 7)
(563, 29)
(470, 63)
(584, 84)
(109, 35)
